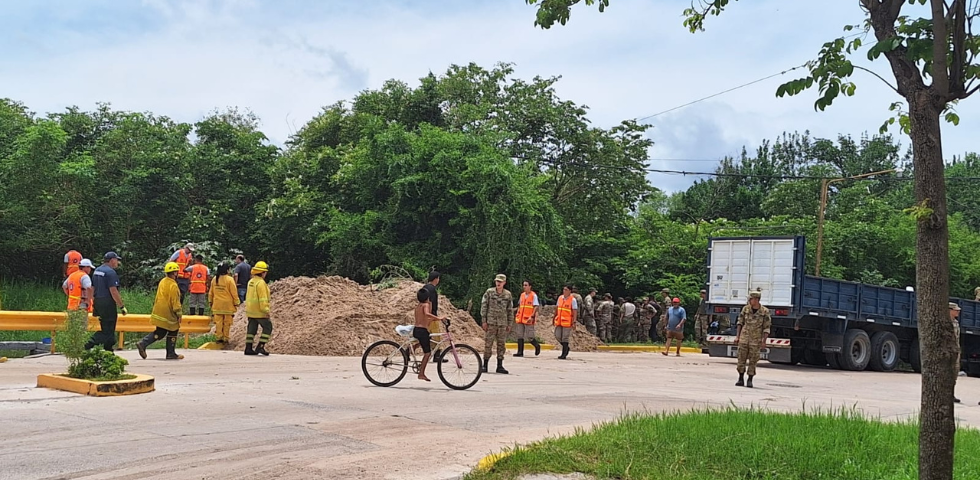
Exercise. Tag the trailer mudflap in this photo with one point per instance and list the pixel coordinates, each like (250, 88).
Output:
(777, 349)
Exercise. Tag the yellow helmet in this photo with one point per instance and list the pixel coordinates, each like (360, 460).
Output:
(260, 266)
(171, 267)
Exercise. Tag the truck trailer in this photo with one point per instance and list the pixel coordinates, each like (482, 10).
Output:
(821, 321)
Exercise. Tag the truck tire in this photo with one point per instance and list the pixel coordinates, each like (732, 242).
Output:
(814, 357)
(833, 360)
(915, 360)
(885, 352)
(856, 353)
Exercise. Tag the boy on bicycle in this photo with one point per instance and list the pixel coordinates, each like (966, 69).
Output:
(423, 319)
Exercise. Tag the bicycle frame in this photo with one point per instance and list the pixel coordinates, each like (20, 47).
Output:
(443, 337)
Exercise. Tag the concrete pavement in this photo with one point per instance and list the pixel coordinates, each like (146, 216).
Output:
(221, 415)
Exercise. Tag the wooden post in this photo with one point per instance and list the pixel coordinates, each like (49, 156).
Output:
(122, 340)
(187, 340)
(52, 340)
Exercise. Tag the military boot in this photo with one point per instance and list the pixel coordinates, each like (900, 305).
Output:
(537, 347)
(749, 383)
(500, 366)
(172, 349)
(486, 363)
(520, 348)
(248, 349)
(564, 351)
(260, 349)
(741, 380)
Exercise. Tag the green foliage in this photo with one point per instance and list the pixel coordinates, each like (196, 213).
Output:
(765, 445)
(72, 336)
(98, 364)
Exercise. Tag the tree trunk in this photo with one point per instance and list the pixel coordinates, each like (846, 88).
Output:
(936, 338)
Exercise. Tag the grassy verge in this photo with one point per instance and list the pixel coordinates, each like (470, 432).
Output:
(737, 444)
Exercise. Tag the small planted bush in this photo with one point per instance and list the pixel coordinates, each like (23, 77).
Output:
(94, 364)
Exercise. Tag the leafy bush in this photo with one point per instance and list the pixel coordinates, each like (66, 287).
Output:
(72, 336)
(98, 364)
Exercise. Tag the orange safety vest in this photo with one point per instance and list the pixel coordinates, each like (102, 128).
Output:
(74, 258)
(183, 258)
(199, 278)
(525, 309)
(564, 318)
(75, 291)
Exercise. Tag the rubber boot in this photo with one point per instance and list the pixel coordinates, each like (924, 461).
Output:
(486, 363)
(520, 348)
(749, 383)
(172, 349)
(248, 349)
(564, 351)
(500, 366)
(260, 350)
(741, 380)
(956, 400)
(537, 347)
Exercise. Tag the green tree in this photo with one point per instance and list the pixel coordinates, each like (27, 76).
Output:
(933, 58)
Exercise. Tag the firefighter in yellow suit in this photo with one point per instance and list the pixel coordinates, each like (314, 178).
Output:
(223, 299)
(166, 314)
(258, 310)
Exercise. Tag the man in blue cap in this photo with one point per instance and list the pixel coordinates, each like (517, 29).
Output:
(105, 282)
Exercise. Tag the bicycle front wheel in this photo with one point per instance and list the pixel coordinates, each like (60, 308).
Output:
(384, 363)
(465, 373)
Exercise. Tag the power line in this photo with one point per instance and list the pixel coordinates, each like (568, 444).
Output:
(753, 82)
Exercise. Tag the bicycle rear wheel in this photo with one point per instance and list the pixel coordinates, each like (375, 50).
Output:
(462, 375)
(384, 363)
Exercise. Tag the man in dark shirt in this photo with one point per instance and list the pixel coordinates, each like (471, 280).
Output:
(242, 273)
(105, 282)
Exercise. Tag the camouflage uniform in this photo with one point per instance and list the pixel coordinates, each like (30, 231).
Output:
(578, 301)
(662, 324)
(647, 311)
(976, 294)
(496, 310)
(605, 314)
(752, 327)
(616, 329)
(956, 331)
(587, 313)
(702, 321)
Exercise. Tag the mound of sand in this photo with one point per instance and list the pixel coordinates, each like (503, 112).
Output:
(336, 316)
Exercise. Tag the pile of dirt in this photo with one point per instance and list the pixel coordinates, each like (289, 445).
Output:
(338, 317)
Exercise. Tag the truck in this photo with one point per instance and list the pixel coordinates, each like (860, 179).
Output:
(820, 321)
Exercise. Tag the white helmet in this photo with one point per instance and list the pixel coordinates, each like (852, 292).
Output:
(86, 263)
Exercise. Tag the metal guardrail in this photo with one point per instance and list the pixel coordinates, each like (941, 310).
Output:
(133, 322)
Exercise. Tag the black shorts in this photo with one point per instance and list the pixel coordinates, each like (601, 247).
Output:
(422, 335)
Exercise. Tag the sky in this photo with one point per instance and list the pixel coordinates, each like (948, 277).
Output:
(286, 59)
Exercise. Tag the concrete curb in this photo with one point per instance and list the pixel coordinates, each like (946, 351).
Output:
(133, 386)
(615, 348)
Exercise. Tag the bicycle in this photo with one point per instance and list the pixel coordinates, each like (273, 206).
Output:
(459, 366)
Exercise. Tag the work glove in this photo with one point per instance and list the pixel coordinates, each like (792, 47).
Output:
(123, 310)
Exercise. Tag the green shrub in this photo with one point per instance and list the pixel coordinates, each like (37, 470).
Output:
(98, 364)
(72, 336)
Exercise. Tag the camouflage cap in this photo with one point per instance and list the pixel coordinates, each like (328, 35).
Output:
(500, 278)
(953, 306)
(666, 290)
(704, 291)
(755, 294)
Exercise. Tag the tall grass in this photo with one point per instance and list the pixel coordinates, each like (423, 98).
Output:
(737, 444)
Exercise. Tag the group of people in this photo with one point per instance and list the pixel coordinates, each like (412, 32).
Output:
(96, 290)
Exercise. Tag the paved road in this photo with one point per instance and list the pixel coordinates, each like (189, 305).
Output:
(221, 415)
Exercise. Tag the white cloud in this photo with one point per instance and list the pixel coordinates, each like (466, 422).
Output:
(285, 60)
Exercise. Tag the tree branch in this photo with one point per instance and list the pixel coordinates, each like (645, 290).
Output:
(879, 78)
(940, 49)
(958, 68)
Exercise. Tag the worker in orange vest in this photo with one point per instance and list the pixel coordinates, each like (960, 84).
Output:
(527, 314)
(78, 287)
(199, 273)
(183, 258)
(565, 317)
(72, 259)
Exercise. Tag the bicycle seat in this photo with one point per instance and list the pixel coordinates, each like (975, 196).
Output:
(405, 330)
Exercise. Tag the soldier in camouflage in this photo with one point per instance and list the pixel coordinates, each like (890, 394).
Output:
(702, 320)
(587, 313)
(954, 316)
(648, 310)
(754, 323)
(664, 305)
(496, 310)
(605, 313)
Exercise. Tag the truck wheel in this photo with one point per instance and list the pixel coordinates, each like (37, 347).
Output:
(833, 359)
(915, 360)
(857, 350)
(884, 352)
(814, 357)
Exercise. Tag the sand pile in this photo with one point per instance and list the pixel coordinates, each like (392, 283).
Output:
(336, 316)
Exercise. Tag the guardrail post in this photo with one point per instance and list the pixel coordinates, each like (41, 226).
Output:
(122, 340)
(187, 340)
(52, 340)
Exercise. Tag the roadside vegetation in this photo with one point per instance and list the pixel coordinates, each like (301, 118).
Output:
(737, 444)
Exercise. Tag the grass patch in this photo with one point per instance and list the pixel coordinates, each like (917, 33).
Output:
(737, 444)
